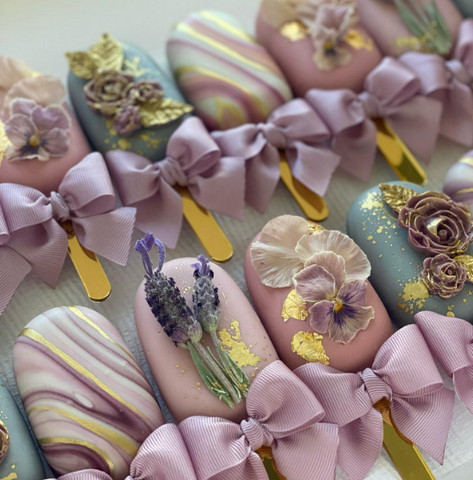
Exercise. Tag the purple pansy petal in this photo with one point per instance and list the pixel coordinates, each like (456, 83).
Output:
(55, 141)
(50, 117)
(321, 316)
(333, 263)
(348, 321)
(19, 129)
(315, 284)
(353, 292)
(22, 106)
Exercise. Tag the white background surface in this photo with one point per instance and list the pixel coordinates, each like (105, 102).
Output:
(39, 32)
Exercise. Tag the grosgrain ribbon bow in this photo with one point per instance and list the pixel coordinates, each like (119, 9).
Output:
(194, 161)
(299, 131)
(449, 83)
(31, 239)
(391, 92)
(162, 456)
(284, 415)
(451, 342)
(405, 374)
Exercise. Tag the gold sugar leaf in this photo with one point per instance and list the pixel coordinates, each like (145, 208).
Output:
(309, 347)
(107, 53)
(82, 65)
(396, 196)
(294, 307)
(155, 114)
(467, 262)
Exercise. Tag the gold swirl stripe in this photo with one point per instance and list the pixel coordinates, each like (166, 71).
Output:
(467, 160)
(113, 437)
(209, 73)
(464, 190)
(77, 312)
(37, 337)
(82, 443)
(238, 32)
(221, 47)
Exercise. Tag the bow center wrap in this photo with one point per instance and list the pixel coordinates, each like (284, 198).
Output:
(172, 172)
(459, 71)
(273, 135)
(371, 105)
(256, 434)
(61, 211)
(376, 387)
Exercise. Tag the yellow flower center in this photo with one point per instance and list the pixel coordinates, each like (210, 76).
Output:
(34, 141)
(329, 44)
(338, 305)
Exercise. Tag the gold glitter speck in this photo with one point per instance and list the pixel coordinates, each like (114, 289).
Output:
(236, 348)
(450, 314)
(309, 347)
(294, 307)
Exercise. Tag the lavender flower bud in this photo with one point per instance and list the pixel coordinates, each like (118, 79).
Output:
(206, 301)
(195, 332)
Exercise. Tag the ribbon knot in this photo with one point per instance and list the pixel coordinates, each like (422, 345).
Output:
(371, 105)
(61, 211)
(376, 387)
(256, 434)
(459, 71)
(172, 172)
(273, 135)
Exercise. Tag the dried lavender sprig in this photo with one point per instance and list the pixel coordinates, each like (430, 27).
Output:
(207, 313)
(174, 315)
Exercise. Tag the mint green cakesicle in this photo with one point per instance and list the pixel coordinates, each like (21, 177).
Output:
(397, 268)
(22, 460)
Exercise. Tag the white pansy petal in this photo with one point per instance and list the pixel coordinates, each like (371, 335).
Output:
(314, 284)
(357, 265)
(42, 155)
(11, 71)
(333, 263)
(284, 231)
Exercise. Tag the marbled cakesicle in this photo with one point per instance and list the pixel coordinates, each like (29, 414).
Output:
(223, 72)
(87, 399)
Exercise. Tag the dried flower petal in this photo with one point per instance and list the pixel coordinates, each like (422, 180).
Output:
(314, 284)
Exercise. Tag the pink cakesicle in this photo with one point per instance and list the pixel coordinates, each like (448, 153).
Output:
(293, 48)
(240, 331)
(352, 356)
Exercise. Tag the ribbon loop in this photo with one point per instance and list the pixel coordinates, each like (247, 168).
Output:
(61, 212)
(256, 434)
(172, 172)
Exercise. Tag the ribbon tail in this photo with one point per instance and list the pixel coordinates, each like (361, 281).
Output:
(463, 381)
(85, 475)
(313, 166)
(14, 270)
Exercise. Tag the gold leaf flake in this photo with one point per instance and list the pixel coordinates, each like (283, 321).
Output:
(237, 349)
(309, 347)
(4, 141)
(396, 196)
(315, 227)
(467, 262)
(358, 41)
(107, 53)
(82, 65)
(155, 114)
(294, 31)
(294, 307)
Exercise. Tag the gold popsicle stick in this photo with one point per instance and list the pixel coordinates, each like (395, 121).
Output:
(405, 456)
(88, 267)
(399, 157)
(313, 206)
(266, 456)
(208, 231)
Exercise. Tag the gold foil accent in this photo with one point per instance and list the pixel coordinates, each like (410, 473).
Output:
(4, 441)
(266, 455)
(315, 227)
(110, 435)
(4, 141)
(106, 54)
(467, 160)
(237, 349)
(309, 347)
(467, 262)
(294, 31)
(358, 41)
(10, 476)
(396, 196)
(166, 110)
(238, 32)
(76, 366)
(415, 293)
(294, 307)
(82, 443)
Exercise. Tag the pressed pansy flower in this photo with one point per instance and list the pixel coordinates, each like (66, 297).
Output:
(36, 132)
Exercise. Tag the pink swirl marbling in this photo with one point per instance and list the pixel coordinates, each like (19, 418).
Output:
(87, 399)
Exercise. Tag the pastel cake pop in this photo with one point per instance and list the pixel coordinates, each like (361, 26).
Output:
(317, 44)
(87, 399)
(40, 138)
(384, 23)
(123, 99)
(313, 297)
(223, 72)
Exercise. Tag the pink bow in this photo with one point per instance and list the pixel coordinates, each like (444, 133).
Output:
(295, 128)
(31, 240)
(403, 372)
(392, 92)
(163, 456)
(451, 342)
(284, 415)
(193, 161)
(449, 83)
